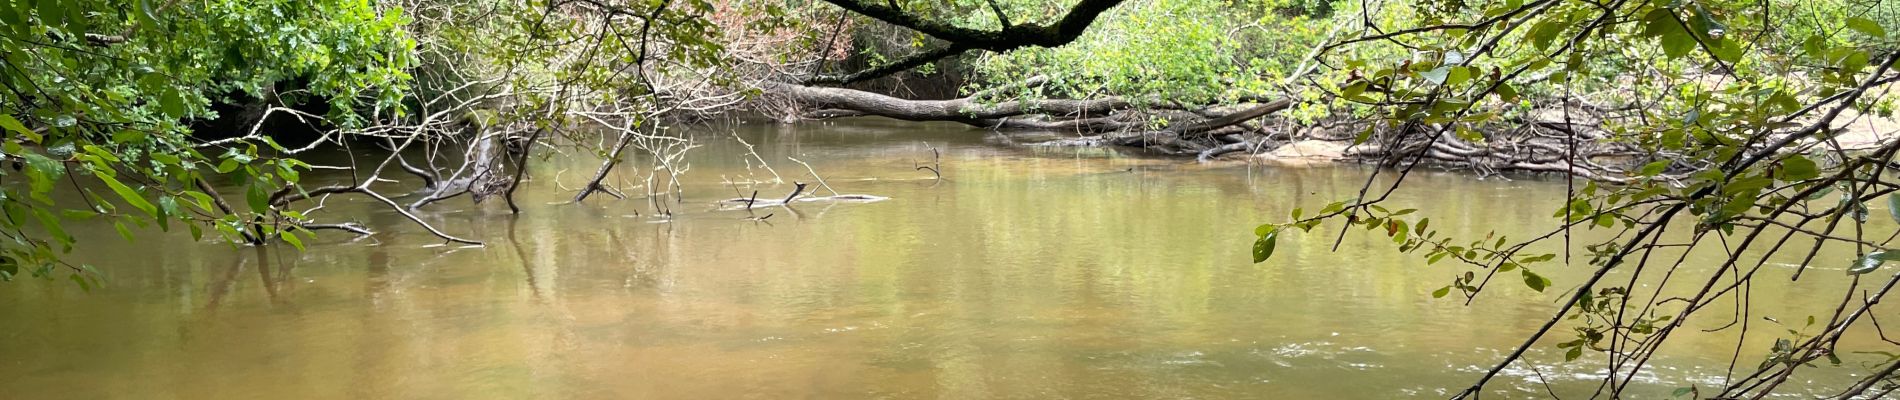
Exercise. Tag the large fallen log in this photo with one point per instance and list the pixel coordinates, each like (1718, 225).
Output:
(1112, 115)
(969, 110)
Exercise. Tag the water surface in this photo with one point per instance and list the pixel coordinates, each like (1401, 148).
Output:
(1028, 273)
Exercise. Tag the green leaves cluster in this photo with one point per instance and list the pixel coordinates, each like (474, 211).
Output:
(1493, 252)
(1187, 52)
(1695, 87)
(97, 99)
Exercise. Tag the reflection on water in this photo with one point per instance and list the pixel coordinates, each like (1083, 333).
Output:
(1029, 273)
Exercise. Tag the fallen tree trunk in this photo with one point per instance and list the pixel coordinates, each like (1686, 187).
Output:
(1199, 136)
(968, 110)
(1086, 116)
(1231, 119)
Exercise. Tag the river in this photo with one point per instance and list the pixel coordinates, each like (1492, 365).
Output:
(1028, 272)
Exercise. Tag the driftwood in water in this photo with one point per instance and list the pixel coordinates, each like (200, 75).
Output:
(482, 176)
(746, 203)
(800, 188)
(797, 189)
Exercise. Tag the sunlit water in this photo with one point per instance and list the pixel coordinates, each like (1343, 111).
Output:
(1027, 272)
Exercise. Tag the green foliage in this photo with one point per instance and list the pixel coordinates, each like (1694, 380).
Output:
(1263, 247)
(101, 92)
(1191, 52)
(1711, 88)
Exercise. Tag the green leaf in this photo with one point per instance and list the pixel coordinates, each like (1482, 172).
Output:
(131, 196)
(123, 232)
(1437, 75)
(50, 13)
(1355, 89)
(75, 17)
(42, 171)
(147, 17)
(1893, 206)
(1727, 50)
(81, 281)
(1655, 168)
(1748, 184)
(1866, 26)
(1677, 42)
(229, 164)
(7, 122)
(52, 225)
(1797, 168)
(1682, 391)
(203, 200)
(1815, 46)
(1675, 39)
(1546, 31)
(1536, 282)
(173, 104)
(1441, 292)
(258, 197)
(1263, 248)
(1506, 92)
(128, 136)
(167, 209)
(11, 17)
(169, 204)
(287, 172)
(1606, 220)
(1738, 204)
(1854, 61)
(1872, 261)
(291, 237)
(1458, 75)
(101, 153)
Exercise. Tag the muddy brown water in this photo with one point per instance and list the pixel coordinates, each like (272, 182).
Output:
(1029, 273)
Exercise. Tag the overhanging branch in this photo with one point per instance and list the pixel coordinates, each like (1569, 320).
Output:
(908, 62)
(961, 39)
